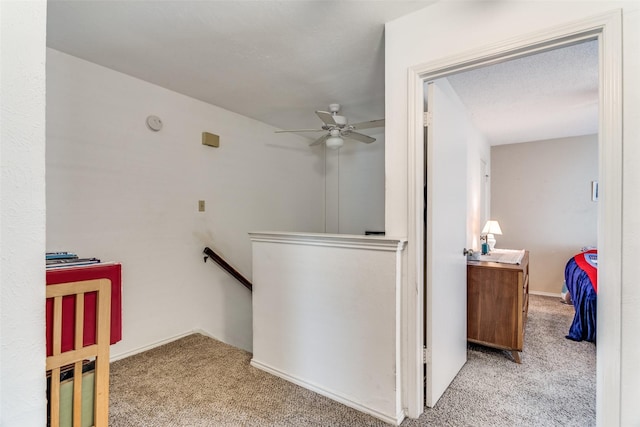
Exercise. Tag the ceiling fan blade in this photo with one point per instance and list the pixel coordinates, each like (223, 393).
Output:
(359, 137)
(300, 130)
(320, 140)
(371, 124)
(326, 118)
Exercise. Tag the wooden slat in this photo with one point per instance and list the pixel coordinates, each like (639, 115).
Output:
(99, 350)
(57, 325)
(77, 394)
(72, 288)
(69, 357)
(77, 371)
(102, 360)
(55, 397)
(79, 332)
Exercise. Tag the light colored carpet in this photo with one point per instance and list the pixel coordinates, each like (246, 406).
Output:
(198, 381)
(554, 386)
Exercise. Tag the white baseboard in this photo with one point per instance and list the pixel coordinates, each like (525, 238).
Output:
(124, 355)
(545, 294)
(205, 333)
(391, 419)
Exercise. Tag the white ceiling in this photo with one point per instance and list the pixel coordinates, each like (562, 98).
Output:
(553, 94)
(278, 61)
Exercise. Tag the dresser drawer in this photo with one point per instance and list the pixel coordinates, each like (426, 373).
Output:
(497, 304)
(525, 291)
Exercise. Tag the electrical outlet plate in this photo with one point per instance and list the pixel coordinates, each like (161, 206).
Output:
(210, 139)
(200, 205)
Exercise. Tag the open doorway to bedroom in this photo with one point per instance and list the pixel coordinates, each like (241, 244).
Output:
(539, 114)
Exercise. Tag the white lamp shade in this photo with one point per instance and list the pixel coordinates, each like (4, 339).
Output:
(334, 142)
(491, 227)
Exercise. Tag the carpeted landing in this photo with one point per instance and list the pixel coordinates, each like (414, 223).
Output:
(198, 381)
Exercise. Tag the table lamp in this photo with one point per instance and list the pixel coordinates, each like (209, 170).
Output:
(490, 228)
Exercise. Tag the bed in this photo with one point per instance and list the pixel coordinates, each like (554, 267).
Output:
(581, 279)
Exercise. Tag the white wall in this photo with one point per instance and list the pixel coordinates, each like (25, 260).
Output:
(455, 27)
(355, 187)
(22, 213)
(447, 29)
(327, 316)
(478, 149)
(120, 192)
(542, 199)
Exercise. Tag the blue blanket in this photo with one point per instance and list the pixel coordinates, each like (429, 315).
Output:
(584, 298)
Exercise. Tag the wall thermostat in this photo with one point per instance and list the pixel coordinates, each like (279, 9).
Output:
(154, 123)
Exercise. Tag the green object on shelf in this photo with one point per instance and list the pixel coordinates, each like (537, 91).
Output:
(66, 400)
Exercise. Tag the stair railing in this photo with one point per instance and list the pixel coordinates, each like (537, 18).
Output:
(209, 253)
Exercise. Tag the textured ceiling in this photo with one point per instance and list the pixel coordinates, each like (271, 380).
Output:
(278, 61)
(274, 61)
(553, 94)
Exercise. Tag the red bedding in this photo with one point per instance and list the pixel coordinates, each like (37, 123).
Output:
(581, 275)
(588, 262)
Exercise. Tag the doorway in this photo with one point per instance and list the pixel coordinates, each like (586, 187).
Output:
(610, 160)
(517, 81)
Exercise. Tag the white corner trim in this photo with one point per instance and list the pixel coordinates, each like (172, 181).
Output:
(394, 420)
(379, 243)
(545, 294)
(153, 345)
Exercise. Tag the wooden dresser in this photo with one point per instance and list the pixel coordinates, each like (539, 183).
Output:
(497, 304)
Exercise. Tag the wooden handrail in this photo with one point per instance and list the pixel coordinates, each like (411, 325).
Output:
(227, 267)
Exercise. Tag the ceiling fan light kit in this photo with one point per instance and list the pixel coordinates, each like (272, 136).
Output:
(338, 129)
(334, 141)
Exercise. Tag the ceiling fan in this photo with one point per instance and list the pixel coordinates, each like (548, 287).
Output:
(338, 129)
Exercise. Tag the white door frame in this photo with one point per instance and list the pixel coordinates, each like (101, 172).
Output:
(607, 29)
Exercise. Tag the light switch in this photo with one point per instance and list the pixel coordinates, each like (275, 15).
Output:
(200, 205)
